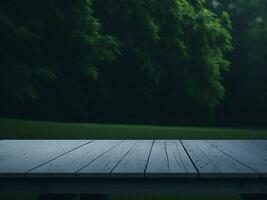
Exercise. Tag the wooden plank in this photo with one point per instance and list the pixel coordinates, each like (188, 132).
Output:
(180, 164)
(252, 155)
(134, 163)
(204, 166)
(158, 166)
(18, 157)
(167, 158)
(4, 143)
(102, 166)
(229, 167)
(256, 147)
(70, 163)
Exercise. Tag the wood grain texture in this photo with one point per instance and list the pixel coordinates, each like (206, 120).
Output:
(4, 143)
(180, 165)
(133, 165)
(229, 167)
(102, 166)
(204, 165)
(158, 166)
(253, 154)
(142, 159)
(18, 157)
(70, 163)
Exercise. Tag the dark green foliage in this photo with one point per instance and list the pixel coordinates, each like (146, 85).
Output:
(246, 84)
(132, 61)
(20, 60)
(48, 50)
(172, 57)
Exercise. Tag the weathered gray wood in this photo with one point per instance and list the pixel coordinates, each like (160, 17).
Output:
(158, 166)
(180, 164)
(4, 143)
(255, 147)
(229, 167)
(103, 165)
(134, 163)
(253, 155)
(18, 157)
(70, 163)
(128, 159)
(204, 166)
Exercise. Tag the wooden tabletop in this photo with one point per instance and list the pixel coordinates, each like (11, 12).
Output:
(133, 166)
(126, 159)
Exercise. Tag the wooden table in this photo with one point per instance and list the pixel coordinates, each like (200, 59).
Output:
(133, 166)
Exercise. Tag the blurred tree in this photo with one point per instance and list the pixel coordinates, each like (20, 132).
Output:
(246, 84)
(172, 57)
(48, 41)
(113, 60)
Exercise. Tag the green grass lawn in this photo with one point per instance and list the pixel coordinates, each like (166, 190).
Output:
(22, 129)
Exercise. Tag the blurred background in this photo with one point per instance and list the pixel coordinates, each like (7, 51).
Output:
(176, 62)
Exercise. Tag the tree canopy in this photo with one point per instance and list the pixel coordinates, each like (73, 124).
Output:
(130, 61)
(246, 84)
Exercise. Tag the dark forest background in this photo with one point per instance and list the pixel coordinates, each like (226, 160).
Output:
(173, 62)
